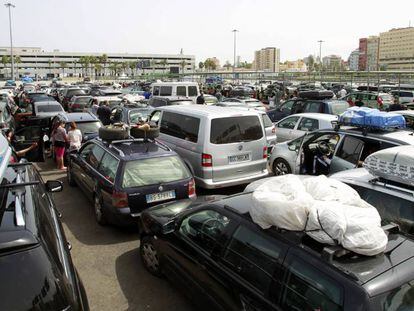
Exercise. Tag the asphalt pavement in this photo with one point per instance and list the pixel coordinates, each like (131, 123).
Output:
(107, 258)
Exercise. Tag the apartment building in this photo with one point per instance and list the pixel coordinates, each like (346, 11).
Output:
(267, 59)
(396, 49)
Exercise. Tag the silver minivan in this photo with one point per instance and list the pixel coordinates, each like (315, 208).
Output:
(221, 146)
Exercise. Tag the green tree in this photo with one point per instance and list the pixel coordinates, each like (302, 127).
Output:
(17, 61)
(5, 59)
(62, 66)
(201, 65)
(103, 60)
(133, 67)
(164, 64)
(93, 60)
(227, 65)
(98, 68)
(209, 64)
(311, 63)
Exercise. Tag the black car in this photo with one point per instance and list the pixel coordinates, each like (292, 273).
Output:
(68, 93)
(308, 104)
(160, 101)
(36, 268)
(131, 113)
(125, 177)
(224, 261)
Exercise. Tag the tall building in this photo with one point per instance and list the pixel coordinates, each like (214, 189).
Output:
(267, 59)
(396, 49)
(35, 62)
(332, 63)
(353, 60)
(362, 59)
(372, 53)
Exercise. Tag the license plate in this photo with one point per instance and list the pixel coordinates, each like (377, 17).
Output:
(162, 196)
(239, 158)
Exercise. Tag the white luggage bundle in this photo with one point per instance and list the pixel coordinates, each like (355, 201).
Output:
(326, 209)
(396, 164)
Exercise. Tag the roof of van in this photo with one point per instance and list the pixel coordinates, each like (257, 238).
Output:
(211, 111)
(175, 83)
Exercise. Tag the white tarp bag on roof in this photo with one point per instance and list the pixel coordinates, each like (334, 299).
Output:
(331, 211)
(396, 164)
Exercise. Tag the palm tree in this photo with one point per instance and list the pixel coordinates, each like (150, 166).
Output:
(201, 65)
(114, 67)
(163, 63)
(49, 62)
(98, 68)
(103, 59)
(17, 61)
(133, 66)
(124, 66)
(183, 63)
(62, 66)
(5, 59)
(92, 61)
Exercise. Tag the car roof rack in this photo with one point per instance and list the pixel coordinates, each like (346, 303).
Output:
(393, 185)
(131, 139)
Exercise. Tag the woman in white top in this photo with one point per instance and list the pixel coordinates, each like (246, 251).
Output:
(75, 137)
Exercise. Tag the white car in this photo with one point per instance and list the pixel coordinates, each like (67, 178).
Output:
(297, 125)
(408, 116)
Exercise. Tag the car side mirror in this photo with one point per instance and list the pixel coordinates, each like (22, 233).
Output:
(45, 138)
(54, 186)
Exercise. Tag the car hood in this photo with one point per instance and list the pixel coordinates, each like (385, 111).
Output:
(360, 174)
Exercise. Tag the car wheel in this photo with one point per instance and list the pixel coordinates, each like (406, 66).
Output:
(149, 256)
(71, 181)
(281, 167)
(99, 213)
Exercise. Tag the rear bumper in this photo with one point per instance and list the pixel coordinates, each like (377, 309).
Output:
(210, 184)
(120, 216)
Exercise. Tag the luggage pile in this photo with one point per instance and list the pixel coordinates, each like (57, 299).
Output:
(326, 209)
(372, 118)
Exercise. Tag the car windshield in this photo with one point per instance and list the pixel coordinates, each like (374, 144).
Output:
(89, 127)
(75, 92)
(82, 100)
(235, 129)
(153, 171)
(136, 115)
(399, 299)
(181, 102)
(339, 107)
(49, 108)
(113, 103)
(386, 97)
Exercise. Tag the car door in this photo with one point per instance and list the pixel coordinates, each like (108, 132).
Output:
(285, 128)
(92, 176)
(284, 110)
(347, 155)
(27, 136)
(252, 261)
(306, 125)
(190, 253)
(78, 163)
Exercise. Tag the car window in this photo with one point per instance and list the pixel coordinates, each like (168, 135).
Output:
(313, 107)
(288, 123)
(29, 133)
(153, 171)
(181, 91)
(180, 126)
(235, 129)
(49, 108)
(155, 116)
(253, 256)
(5, 112)
(95, 156)
(398, 299)
(84, 153)
(308, 124)
(351, 149)
(406, 94)
(204, 228)
(166, 91)
(108, 166)
(156, 91)
(372, 97)
(390, 207)
(287, 106)
(307, 288)
(266, 121)
(192, 91)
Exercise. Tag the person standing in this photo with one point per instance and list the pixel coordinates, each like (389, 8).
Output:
(60, 139)
(104, 113)
(75, 137)
(200, 99)
(342, 93)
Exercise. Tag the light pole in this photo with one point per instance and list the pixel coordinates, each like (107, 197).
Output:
(320, 52)
(9, 6)
(234, 51)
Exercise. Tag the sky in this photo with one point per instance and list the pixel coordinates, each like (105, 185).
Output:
(202, 28)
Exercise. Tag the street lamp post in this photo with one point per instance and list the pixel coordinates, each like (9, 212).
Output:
(9, 6)
(234, 50)
(320, 52)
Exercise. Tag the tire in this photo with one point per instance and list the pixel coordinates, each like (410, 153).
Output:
(152, 133)
(99, 213)
(71, 181)
(149, 256)
(112, 132)
(281, 167)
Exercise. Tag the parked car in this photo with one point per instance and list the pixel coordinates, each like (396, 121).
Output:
(370, 99)
(29, 98)
(297, 125)
(112, 101)
(78, 103)
(224, 261)
(241, 91)
(249, 102)
(329, 151)
(158, 101)
(210, 99)
(86, 122)
(67, 95)
(221, 146)
(130, 114)
(6, 117)
(404, 97)
(36, 112)
(125, 177)
(300, 105)
(105, 91)
(176, 89)
(36, 268)
(408, 116)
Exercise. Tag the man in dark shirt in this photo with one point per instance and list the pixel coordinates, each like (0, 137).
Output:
(104, 113)
(396, 105)
(200, 99)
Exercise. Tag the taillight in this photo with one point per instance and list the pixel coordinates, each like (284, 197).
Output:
(75, 106)
(191, 189)
(119, 199)
(206, 160)
(273, 129)
(264, 152)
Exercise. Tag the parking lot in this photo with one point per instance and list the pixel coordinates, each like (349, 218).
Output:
(107, 258)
